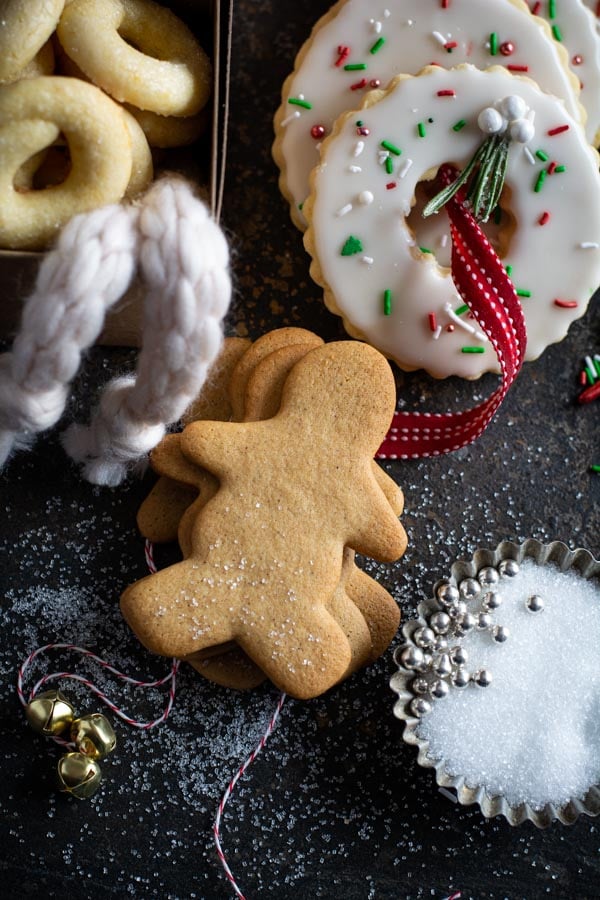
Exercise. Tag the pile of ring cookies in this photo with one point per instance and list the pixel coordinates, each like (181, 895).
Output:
(87, 88)
(380, 98)
(270, 489)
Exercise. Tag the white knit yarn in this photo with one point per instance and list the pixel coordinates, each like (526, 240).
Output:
(90, 268)
(183, 258)
(184, 261)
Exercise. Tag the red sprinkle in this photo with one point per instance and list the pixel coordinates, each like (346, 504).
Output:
(343, 53)
(450, 45)
(359, 84)
(445, 4)
(566, 304)
(450, 328)
(363, 131)
(317, 132)
(536, 8)
(591, 393)
(513, 68)
(507, 48)
(391, 185)
(448, 93)
(375, 83)
(558, 130)
(544, 218)
(552, 167)
(583, 378)
(577, 59)
(432, 321)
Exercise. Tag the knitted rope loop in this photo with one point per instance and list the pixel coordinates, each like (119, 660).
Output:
(183, 259)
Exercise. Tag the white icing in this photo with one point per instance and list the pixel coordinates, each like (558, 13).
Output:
(407, 49)
(578, 31)
(547, 259)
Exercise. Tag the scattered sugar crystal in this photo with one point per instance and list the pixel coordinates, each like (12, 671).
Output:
(534, 733)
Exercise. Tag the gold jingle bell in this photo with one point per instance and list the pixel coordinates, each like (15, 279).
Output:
(50, 713)
(93, 735)
(78, 775)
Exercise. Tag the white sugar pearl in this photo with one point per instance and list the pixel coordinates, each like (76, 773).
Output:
(522, 131)
(513, 107)
(365, 198)
(490, 121)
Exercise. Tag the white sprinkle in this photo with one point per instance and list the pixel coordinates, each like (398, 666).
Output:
(358, 148)
(590, 363)
(365, 198)
(368, 260)
(465, 325)
(354, 169)
(404, 167)
(529, 154)
(377, 26)
(386, 14)
(382, 155)
(291, 117)
(439, 38)
(436, 334)
(444, 240)
(448, 794)
(344, 210)
(589, 245)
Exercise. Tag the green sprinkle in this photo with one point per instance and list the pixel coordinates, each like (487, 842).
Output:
(594, 468)
(541, 154)
(387, 145)
(590, 374)
(352, 246)
(389, 165)
(509, 270)
(597, 366)
(461, 309)
(521, 292)
(458, 126)
(297, 101)
(425, 250)
(377, 46)
(300, 206)
(355, 67)
(493, 43)
(560, 169)
(552, 9)
(498, 215)
(557, 33)
(473, 350)
(387, 302)
(421, 129)
(539, 184)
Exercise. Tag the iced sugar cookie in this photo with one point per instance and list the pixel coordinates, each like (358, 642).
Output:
(575, 27)
(389, 289)
(359, 45)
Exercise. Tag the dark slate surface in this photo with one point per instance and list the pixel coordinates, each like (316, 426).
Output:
(336, 805)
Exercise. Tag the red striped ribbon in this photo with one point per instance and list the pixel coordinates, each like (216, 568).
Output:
(482, 282)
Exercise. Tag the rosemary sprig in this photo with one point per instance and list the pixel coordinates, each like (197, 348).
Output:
(488, 168)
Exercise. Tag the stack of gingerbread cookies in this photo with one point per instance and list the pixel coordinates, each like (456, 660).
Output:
(270, 489)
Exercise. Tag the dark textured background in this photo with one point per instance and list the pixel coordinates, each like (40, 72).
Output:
(336, 805)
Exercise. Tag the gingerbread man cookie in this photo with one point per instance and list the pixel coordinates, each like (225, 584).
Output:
(267, 551)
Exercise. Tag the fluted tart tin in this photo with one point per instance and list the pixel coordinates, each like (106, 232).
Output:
(498, 682)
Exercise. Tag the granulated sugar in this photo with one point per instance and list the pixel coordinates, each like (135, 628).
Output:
(534, 733)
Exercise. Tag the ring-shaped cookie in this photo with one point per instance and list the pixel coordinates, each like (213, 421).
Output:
(170, 74)
(388, 287)
(23, 32)
(99, 144)
(354, 49)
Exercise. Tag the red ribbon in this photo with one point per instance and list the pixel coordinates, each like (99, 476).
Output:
(482, 282)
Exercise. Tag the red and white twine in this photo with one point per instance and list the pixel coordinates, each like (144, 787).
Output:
(481, 281)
